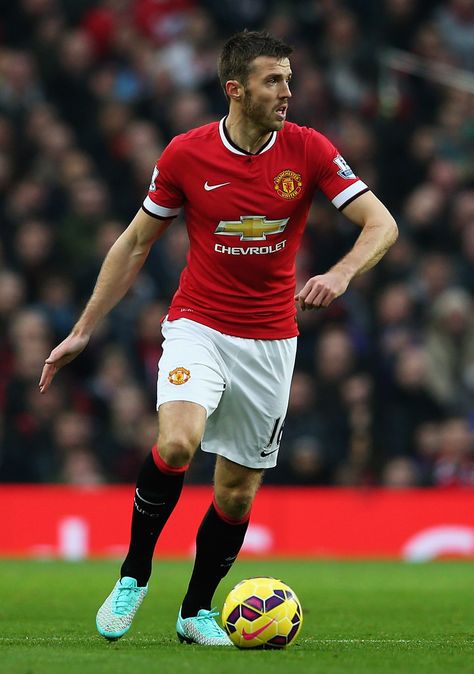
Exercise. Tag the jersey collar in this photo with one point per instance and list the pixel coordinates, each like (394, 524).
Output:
(230, 145)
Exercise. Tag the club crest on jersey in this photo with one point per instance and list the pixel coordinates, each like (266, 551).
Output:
(288, 184)
(345, 170)
(251, 227)
(178, 376)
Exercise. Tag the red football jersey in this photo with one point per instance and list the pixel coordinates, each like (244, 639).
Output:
(245, 215)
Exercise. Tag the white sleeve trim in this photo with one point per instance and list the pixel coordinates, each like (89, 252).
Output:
(149, 205)
(349, 193)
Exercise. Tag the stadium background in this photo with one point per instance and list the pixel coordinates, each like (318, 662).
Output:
(90, 93)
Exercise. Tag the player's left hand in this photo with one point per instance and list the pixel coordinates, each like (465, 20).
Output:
(321, 290)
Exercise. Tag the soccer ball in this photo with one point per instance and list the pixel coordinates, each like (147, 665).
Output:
(262, 613)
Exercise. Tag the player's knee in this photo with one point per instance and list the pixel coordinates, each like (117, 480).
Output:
(178, 448)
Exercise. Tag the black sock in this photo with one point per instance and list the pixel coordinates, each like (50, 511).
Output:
(218, 543)
(156, 495)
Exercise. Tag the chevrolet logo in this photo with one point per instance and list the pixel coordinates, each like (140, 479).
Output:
(251, 227)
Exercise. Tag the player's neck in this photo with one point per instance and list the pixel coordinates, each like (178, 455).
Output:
(245, 134)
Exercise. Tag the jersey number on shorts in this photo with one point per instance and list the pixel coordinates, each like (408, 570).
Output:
(275, 437)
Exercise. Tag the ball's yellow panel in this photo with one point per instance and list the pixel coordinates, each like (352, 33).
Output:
(262, 612)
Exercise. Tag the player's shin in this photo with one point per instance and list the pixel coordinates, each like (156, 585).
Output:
(157, 491)
(218, 543)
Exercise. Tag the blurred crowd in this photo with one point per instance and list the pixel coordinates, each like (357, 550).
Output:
(90, 93)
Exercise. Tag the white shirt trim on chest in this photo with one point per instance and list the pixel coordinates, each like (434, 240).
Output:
(234, 149)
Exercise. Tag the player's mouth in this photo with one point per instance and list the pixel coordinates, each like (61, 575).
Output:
(281, 112)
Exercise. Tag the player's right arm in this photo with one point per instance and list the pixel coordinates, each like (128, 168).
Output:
(118, 272)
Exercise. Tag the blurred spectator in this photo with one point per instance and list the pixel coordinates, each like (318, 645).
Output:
(87, 205)
(434, 275)
(423, 214)
(454, 464)
(27, 455)
(335, 361)
(405, 404)
(120, 446)
(400, 473)
(190, 61)
(55, 296)
(400, 21)
(27, 451)
(35, 254)
(12, 295)
(68, 82)
(427, 443)
(358, 467)
(29, 198)
(397, 324)
(125, 465)
(20, 86)
(456, 26)
(81, 467)
(346, 59)
(186, 111)
(112, 374)
(76, 449)
(450, 350)
(306, 463)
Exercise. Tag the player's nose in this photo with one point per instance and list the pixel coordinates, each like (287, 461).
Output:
(286, 92)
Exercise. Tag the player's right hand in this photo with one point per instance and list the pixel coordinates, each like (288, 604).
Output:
(60, 356)
(320, 291)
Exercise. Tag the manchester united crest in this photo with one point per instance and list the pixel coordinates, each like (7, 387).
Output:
(180, 375)
(288, 184)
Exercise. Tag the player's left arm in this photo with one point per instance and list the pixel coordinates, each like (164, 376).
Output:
(379, 232)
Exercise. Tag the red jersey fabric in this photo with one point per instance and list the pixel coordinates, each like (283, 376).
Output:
(245, 215)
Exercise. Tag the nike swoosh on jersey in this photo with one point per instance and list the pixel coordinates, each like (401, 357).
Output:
(263, 453)
(208, 187)
(251, 635)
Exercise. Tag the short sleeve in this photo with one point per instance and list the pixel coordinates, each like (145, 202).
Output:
(334, 177)
(164, 198)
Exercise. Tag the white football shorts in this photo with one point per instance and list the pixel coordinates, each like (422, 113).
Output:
(244, 385)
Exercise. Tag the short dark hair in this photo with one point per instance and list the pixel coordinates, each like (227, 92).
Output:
(242, 48)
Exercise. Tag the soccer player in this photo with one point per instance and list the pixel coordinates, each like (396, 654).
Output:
(246, 184)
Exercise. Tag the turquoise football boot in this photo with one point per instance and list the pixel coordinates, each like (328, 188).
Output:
(115, 616)
(202, 629)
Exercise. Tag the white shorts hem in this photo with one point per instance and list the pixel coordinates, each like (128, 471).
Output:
(181, 399)
(241, 460)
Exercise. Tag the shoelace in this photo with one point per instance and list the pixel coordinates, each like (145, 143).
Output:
(123, 599)
(212, 627)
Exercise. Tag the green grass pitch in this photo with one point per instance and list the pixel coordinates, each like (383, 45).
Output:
(359, 618)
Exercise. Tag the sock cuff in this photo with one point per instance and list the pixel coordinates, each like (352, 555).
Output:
(161, 464)
(226, 518)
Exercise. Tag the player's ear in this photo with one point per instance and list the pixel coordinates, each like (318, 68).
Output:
(233, 89)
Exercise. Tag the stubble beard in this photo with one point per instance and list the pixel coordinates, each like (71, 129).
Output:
(258, 115)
